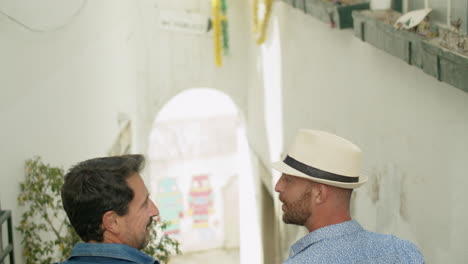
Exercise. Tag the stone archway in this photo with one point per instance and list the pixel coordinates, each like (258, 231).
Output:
(194, 161)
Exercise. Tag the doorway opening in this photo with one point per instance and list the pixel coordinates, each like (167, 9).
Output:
(197, 160)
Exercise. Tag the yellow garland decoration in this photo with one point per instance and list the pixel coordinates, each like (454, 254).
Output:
(262, 26)
(255, 16)
(217, 31)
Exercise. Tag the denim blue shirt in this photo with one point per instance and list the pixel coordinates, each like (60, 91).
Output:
(88, 253)
(348, 242)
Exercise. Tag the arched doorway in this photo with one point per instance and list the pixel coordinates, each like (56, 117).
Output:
(197, 159)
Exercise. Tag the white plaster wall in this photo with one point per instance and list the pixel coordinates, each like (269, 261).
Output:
(411, 128)
(62, 91)
(179, 61)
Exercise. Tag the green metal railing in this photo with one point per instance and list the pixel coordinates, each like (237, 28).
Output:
(5, 216)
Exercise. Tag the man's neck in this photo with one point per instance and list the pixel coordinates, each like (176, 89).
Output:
(109, 237)
(324, 219)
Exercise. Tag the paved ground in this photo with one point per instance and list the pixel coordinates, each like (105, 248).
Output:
(217, 256)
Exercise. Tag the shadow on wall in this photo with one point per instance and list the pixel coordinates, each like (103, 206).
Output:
(387, 193)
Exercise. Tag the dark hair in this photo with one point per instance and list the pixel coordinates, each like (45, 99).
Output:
(95, 186)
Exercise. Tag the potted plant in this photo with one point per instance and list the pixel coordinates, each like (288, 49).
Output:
(448, 56)
(378, 28)
(439, 51)
(337, 13)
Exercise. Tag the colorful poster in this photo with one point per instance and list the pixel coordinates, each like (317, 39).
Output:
(200, 201)
(169, 200)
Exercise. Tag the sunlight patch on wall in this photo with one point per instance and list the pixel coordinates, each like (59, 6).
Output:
(250, 226)
(272, 85)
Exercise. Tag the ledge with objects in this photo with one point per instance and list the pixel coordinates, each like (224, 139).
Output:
(440, 50)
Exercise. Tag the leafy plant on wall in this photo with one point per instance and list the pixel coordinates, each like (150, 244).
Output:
(46, 234)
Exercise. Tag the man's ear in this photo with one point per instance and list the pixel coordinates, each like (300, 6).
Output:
(110, 222)
(321, 194)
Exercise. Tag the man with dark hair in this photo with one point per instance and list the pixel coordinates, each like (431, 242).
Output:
(320, 172)
(108, 205)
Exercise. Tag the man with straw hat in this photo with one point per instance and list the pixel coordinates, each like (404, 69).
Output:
(320, 171)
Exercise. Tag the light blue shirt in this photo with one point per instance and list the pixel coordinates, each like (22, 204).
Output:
(348, 242)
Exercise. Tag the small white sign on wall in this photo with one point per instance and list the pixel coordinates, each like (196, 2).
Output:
(183, 21)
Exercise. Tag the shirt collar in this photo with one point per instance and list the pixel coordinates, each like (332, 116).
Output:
(323, 233)
(115, 251)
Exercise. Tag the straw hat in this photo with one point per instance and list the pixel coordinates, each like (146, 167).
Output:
(325, 158)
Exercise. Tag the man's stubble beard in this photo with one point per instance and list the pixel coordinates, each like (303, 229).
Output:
(297, 212)
(147, 236)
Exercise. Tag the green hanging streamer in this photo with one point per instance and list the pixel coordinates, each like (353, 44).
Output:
(224, 7)
(225, 37)
(224, 26)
